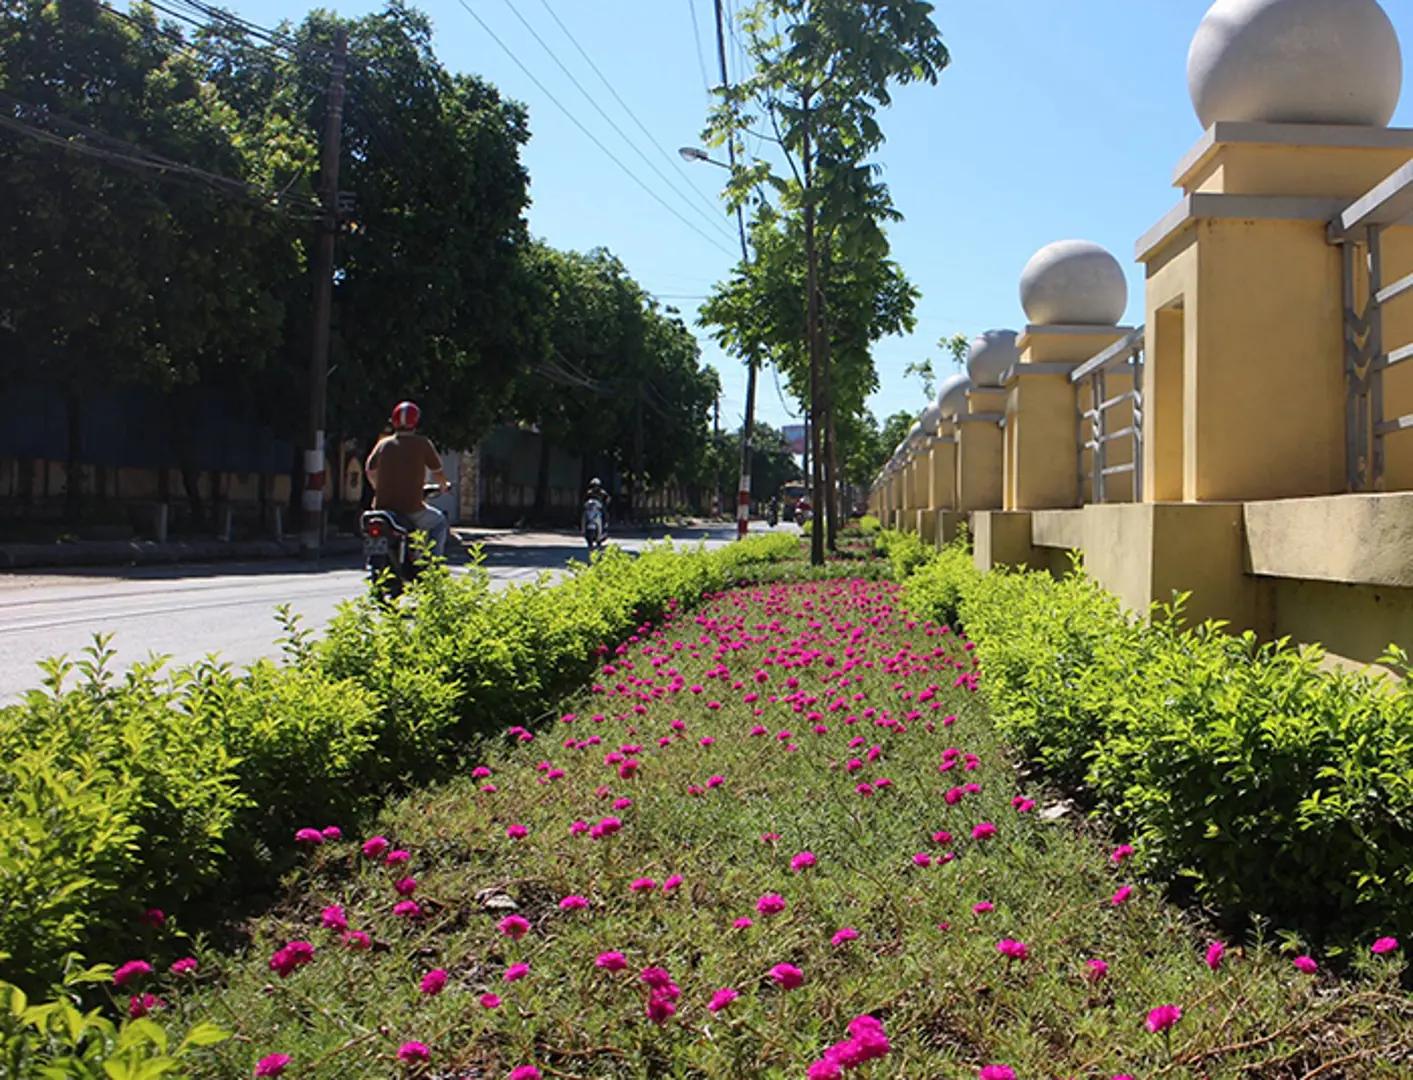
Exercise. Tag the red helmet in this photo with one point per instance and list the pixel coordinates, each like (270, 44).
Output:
(406, 416)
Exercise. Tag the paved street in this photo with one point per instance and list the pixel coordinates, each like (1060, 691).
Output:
(189, 611)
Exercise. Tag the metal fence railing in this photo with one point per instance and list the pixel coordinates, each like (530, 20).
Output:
(1096, 436)
(1366, 353)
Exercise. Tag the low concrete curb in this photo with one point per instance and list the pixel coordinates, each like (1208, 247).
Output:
(148, 553)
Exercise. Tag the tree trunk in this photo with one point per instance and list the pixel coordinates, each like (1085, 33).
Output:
(542, 479)
(812, 340)
(73, 471)
(831, 494)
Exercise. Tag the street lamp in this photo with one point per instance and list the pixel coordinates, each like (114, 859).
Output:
(696, 153)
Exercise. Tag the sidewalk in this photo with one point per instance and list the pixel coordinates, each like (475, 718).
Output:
(150, 553)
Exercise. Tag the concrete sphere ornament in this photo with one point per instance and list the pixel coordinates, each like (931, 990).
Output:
(991, 355)
(931, 418)
(1296, 62)
(952, 396)
(1074, 283)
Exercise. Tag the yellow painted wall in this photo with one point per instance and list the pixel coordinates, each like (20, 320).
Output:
(943, 474)
(980, 466)
(1253, 169)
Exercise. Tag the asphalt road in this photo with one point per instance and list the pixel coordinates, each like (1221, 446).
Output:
(189, 611)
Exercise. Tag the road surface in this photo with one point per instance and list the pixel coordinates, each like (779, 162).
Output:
(189, 611)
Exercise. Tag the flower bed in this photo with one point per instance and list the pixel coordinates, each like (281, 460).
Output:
(779, 838)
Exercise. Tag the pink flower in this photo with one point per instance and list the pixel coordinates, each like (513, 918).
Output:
(489, 1001)
(707, 740)
(333, 918)
(578, 827)
(1015, 950)
(844, 936)
(672, 883)
(611, 961)
(407, 909)
(184, 967)
(1215, 952)
(866, 790)
(982, 831)
(413, 1051)
(480, 772)
(405, 887)
(131, 971)
(823, 1069)
(1097, 969)
(309, 836)
(770, 904)
(524, 1072)
(1122, 852)
(660, 1009)
(573, 903)
(516, 972)
(996, 1072)
(769, 837)
(1384, 945)
(1306, 965)
(722, 998)
(657, 978)
(517, 832)
(802, 861)
(1122, 895)
(139, 1005)
(787, 976)
(433, 982)
(332, 833)
(397, 858)
(743, 923)
(622, 804)
(922, 859)
(357, 941)
(982, 907)
(153, 917)
(1162, 1018)
(642, 885)
(942, 837)
(514, 927)
(715, 781)
(272, 1064)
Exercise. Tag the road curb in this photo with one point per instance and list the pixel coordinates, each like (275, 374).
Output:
(150, 553)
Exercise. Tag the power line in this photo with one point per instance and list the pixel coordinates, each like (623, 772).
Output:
(590, 135)
(709, 216)
(701, 57)
(671, 159)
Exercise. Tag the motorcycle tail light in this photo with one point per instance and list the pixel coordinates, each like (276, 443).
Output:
(375, 528)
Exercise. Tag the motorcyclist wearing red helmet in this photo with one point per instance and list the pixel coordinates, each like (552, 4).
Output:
(397, 470)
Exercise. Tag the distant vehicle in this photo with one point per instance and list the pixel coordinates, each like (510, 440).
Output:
(388, 554)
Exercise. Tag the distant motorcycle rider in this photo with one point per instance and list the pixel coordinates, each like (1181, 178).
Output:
(397, 470)
(596, 491)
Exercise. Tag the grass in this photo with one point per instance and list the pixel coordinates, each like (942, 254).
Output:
(925, 961)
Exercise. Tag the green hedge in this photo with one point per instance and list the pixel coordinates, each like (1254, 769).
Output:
(1275, 787)
(173, 789)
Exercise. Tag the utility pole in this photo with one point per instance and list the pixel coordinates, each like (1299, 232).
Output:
(743, 491)
(314, 457)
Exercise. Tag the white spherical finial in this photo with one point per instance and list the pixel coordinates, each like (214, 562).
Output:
(991, 355)
(952, 395)
(1296, 62)
(1074, 283)
(931, 418)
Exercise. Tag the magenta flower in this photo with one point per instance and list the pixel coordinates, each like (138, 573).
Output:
(787, 976)
(1215, 952)
(715, 781)
(922, 859)
(622, 804)
(272, 1064)
(657, 978)
(743, 923)
(374, 848)
(516, 972)
(1122, 895)
(578, 827)
(672, 882)
(982, 831)
(153, 917)
(573, 903)
(1162, 1018)
(1384, 945)
(1306, 965)
(489, 1001)
(514, 927)
(405, 886)
(942, 837)
(770, 904)
(139, 1005)
(721, 999)
(996, 1072)
(524, 1072)
(398, 858)
(802, 861)
(357, 941)
(184, 967)
(1097, 969)
(660, 1009)
(865, 790)
(407, 909)
(332, 833)
(642, 885)
(309, 836)
(983, 907)
(434, 982)
(1015, 950)
(517, 832)
(1122, 852)
(333, 918)
(413, 1052)
(823, 1069)
(131, 971)
(611, 961)
(480, 772)
(842, 937)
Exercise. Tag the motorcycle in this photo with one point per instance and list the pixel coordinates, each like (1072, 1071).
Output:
(388, 553)
(595, 526)
(802, 512)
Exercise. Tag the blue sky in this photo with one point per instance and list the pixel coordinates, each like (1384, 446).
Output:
(1054, 121)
